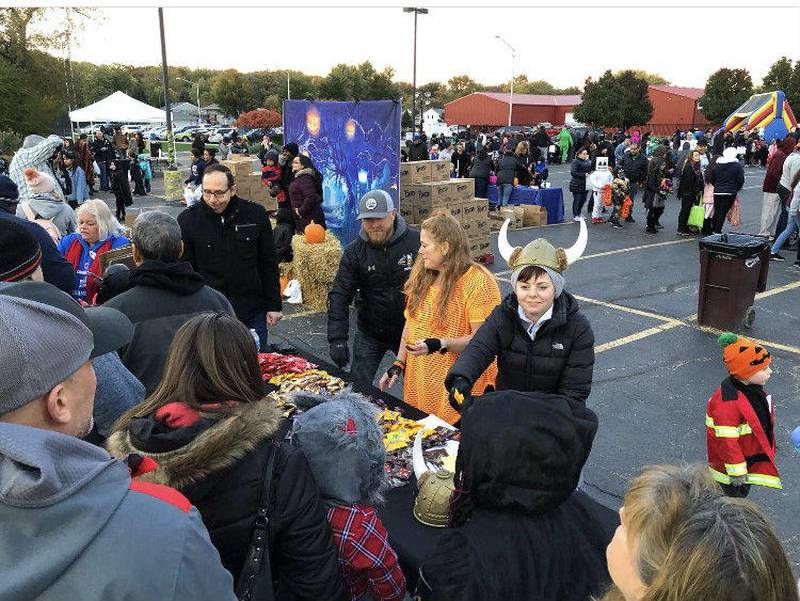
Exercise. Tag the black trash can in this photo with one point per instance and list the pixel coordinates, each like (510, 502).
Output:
(733, 267)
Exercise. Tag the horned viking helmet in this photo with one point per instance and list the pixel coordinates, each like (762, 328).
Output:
(541, 252)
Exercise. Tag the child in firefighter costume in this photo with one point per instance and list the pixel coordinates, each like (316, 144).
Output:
(740, 420)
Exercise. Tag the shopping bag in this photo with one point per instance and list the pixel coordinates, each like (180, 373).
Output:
(625, 211)
(708, 200)
(696, 216)
(734, 217)
(607, 195)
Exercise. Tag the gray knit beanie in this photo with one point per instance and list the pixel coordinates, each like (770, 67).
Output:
(555, 277)
(42, 346)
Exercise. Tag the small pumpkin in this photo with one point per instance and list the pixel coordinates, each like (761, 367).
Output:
(315, 233)
(284, 280)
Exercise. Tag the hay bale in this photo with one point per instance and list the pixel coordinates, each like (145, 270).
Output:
(315, 266)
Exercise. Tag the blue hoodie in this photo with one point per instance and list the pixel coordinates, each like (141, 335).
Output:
(72, 529)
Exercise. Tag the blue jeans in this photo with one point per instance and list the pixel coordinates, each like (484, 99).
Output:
(368, 353)
(103, 175)
(792, 226)
(258, 322)
(578, 200)
(505, 191)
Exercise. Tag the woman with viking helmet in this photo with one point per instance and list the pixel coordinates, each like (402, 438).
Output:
(539, 337)
(449, 298)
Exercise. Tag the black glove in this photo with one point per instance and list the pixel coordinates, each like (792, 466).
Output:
(460, 393)
(434, 345)
(340, 353)
(395, 370)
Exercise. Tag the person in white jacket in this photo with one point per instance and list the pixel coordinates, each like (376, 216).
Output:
(36, 152)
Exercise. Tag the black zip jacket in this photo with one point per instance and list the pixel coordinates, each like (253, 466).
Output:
(374, 277)
(560, 360)
(234, 253)
(163, 297)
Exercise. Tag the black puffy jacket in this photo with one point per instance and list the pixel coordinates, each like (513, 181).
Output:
(235, 254)
(506, 170)
(635, 166)
(560, 360)
(578, 172)
(218, 465)
(373, 276)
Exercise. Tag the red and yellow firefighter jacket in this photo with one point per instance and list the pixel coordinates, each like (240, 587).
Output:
(737, 444)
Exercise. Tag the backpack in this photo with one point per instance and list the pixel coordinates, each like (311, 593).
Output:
(46, 224)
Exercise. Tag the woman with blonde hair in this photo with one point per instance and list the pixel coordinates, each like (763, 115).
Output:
(97, 233)
(449, 297)
(215, 437)
(681, 539)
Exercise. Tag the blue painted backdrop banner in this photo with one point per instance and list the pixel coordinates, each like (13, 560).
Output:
(356, 148)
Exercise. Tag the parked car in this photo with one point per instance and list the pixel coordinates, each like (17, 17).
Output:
(256, 134)
(220, 133)
(188, 135)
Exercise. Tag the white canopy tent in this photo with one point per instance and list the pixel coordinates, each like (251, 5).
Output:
(118, 108)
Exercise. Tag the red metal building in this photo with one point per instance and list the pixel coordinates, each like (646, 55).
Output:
(491, 109)
(673, 108)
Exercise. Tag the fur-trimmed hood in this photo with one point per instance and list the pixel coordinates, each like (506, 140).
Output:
(212, 444)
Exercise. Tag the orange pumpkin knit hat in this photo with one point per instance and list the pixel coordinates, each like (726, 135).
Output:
(743, 357)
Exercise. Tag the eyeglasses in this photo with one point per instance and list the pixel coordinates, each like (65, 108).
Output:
(215, 194)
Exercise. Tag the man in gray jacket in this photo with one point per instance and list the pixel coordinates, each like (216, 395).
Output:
(74, 524)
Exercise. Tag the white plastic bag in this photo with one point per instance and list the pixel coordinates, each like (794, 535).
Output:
(293, 293)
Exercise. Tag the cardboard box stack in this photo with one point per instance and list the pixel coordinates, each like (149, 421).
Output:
(520, 216)
(248, 182)
(425, 188)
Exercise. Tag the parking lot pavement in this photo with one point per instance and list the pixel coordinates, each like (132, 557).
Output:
(655, 367)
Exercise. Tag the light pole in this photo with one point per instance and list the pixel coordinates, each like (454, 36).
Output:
(194, 83)
(288, 81)
(513, 56)
(165, 77)
(416, 11)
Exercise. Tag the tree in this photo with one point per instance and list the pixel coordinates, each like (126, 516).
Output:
(460, 85)
(406, 121)
(778, 77)
(231, 91)
(346, 82)
(259, 118)
(615, 101)
(273, 102)
(726, 89)
(781, 76)
(654, 79)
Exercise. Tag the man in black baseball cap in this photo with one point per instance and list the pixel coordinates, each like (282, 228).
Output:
(377, 265)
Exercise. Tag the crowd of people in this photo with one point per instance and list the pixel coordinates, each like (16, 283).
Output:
(607, 173)
(149, 462)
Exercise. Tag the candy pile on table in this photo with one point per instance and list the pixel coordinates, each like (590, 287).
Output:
(273, 364)
(290, 373)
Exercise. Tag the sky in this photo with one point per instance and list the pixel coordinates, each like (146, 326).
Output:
(562, 45)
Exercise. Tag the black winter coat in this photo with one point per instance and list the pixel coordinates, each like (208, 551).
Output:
(635, 167)
(506, 170)
(578, 172)
(418, 151)
(164, 296)
(481, 168)
(374, 277)
(727, 176)
(235, 254)
(560, 360)
(691, 182)
(102, 150)
(218, 465)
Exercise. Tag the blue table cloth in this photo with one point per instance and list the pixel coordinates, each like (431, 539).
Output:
(552, 199)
